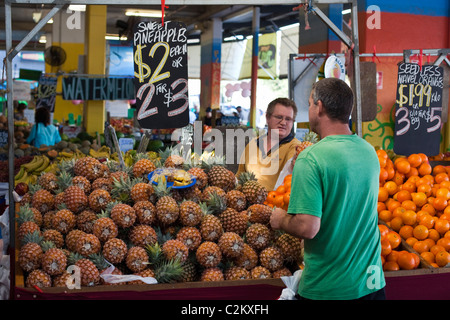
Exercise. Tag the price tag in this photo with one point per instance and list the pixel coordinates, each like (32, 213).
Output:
(418, 109)
(126, 144)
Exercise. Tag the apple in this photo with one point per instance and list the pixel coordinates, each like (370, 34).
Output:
(21, 188)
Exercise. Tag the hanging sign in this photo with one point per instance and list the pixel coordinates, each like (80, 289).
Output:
(78, 88)
(334, 68)
(160, 74)
(46, 93)
(418, 109)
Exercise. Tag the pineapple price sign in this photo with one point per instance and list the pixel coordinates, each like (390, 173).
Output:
(418, 109)
(160, 74)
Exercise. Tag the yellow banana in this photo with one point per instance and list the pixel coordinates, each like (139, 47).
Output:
(24, 179)
(20, 173)
(36, 164)
(30, 164)
(66, 154)
(45, 163)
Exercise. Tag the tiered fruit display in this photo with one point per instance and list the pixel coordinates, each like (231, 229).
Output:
(413, 200)
(100, 214)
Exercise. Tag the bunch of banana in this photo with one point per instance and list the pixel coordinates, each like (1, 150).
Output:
(29, 172)
(103, 152)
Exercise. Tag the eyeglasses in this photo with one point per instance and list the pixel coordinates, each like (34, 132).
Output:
(281, 118)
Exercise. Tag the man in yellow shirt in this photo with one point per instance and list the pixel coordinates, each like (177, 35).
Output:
(266, 156)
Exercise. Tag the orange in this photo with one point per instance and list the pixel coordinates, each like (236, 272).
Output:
(443, 193)
(393, 256)
(436, 249)
(398, 212)
(446, 213)
(444, 242)
(409, 186)
(414, 173)
(428, 257)
(426, 220)
(394, 238)
(383, 194)
(383, 175)
(414, 160)
(278, 201)
(409, 217)
(402, 165)
(391, 266)
(421, 246)
(439, 169)
(392, 204)
(445, 184)
(396, 223)
(409, 205)
(384, 230)
(433, 234)
(406, 260)
(381, 206)
(429, 208)
(430, 242)
(429, 178)
(382, 153)
(287, 178)
(424, 157)
(281, 189)
(442, 258)
(442, 226)
(419, 198)
(271, 196)
(398, 178)
(420, 232)
(447, 235)
(424, 169)
(403, 195)
(391, 187)
(406, 232)
(385, 247)
(424, 188)
(441, 177)
(440, 203)
(391, 172)
(382, 161)
(385, 215)
(286, 197)
(411, 241)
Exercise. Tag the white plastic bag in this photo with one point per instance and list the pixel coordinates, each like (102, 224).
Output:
(287, 170)
(117, 278)
(291, 283)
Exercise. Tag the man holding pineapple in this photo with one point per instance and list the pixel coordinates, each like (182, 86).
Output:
(267, 155)
(333, 203)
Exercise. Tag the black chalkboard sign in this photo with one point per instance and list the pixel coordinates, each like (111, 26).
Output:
(46, 93)
(418, 109)
(160, 74)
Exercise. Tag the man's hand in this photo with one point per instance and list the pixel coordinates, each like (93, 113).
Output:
(277, 217)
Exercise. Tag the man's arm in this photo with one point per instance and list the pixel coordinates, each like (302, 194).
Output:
(302, 226)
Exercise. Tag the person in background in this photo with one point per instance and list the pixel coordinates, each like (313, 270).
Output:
(19, 115)
(275, 148)
(333, 204)
(42, 132)
(208, 116)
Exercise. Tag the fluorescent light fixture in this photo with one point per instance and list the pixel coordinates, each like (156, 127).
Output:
(115, 37)
(50, 21)
(190, 41)
(77, 7)
(290, 26)
(43, 39)
(144, 13)
(234, 38)
(346, 11)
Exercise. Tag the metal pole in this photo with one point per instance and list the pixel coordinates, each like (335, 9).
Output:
(255, 51)
(356, 64)
(10, 108)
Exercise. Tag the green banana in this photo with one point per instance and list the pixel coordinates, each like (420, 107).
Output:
(24, 178)
(20, 173)
(30, 164)
(37, 164)
(45, 163)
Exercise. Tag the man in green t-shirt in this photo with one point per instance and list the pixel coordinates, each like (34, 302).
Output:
(333, 205)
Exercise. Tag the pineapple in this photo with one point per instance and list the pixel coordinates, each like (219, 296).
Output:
(260, 272)
(62, 280)
(89, 168)
(211, 228)
(83, 183)
(47, 219)
(64, 220)
(190, 213)
(88, 244)
(54, 260)
(48, 181)
(85, 220)
(37, 216)
(190, 236)
(105, 228)
(258, 236)
(167, 209)
(200, 176)
(72, 239)
(248, 259)
(26, 222)
(236, 200)
(193, 194)
(250, 187)
(99, 199)
(123, 215)
(90, 276)
(115, 250)
(141, 191)
(54, 236)
(290, 247)
(271, 258)
(218, 175)
(145, 212)
(209, 191)
(75, 199)
(212, 274)
(143, 235)
(175, 250)
(101, 183)
(38, 278)
(208, 254)
(233, 221)
(237, 273)
(30, 253)
(43, 200)
(146, 273)
(283, 272)
(171, 158)
(189, 271)
(231, 245)
(118, 175)
(136, 259)
(121, 189)
(308, 140)
(259, 213)
(143, 167)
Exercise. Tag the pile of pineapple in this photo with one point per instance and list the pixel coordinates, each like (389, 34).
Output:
(97, 215)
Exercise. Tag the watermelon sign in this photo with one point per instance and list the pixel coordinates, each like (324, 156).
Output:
(160, 74)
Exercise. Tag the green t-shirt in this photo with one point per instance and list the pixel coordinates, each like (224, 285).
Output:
(337, 180)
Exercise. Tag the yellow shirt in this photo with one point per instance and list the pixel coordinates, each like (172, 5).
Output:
(267, 167)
